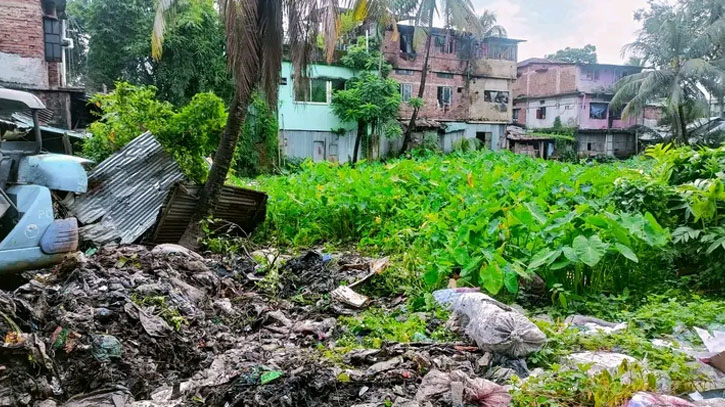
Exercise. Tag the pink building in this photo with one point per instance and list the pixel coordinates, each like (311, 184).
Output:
(578, 95)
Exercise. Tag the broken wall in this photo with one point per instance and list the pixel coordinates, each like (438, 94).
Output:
(22, 53)
(467, 78)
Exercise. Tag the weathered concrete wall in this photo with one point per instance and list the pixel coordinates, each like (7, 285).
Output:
(482, 110)
(565, 107)
(460, 96)
(23, 71)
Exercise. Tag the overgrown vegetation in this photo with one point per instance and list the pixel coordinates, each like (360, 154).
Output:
(190, 133)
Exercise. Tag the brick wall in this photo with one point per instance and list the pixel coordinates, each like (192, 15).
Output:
(21, 28)
(442, 66)
(537, 80)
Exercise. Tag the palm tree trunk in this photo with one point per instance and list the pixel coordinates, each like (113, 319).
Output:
(361, 128)
(218, 174)
(421, 90)
(683, 125)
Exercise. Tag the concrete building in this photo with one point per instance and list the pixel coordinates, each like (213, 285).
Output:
(469, 83)
(308, 127)
(579, 96)
(32, 55)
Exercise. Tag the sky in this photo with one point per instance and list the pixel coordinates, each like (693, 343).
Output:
(548, 26)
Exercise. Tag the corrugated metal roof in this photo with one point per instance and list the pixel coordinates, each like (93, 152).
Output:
(126, 192)
(243, 207)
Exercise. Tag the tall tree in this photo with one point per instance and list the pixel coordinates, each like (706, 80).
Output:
(106, 52)
(585, 55)
(687, 67)
(254, 32)
(489, 26)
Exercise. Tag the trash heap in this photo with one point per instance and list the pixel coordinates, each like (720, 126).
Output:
(131, 326)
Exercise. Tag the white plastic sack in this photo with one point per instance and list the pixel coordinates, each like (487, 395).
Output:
(496, 327)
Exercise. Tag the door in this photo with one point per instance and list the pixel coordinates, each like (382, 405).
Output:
(485, 137)
(318, 151)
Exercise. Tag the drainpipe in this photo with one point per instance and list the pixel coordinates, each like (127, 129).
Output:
(38, 136)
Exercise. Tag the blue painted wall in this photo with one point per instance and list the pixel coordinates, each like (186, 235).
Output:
(306, 115)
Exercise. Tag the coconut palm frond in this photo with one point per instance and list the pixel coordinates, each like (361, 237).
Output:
(159, 29)
(271, 37)
(243, 42)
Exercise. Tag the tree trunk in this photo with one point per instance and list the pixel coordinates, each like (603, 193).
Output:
(361, 128)
(683, 125)
(218, 174)
(421, 90)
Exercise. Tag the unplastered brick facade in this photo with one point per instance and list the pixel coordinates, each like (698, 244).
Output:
(23, 62)
(468, 80)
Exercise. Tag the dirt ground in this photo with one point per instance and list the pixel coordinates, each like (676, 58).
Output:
(140, 327)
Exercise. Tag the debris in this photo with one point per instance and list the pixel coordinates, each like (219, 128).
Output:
(170, 249)
(600, 361)
(474, 391)
(346, 295)
(376, 267)
(591, 325)
(384, 366)
(715, 394)
(656, 400)
(715, 344)
(271, 376)
(710, 403)
(106, 347)
(496, 327)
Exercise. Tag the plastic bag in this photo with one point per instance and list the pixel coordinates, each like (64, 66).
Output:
(657, 400)
(496, 327)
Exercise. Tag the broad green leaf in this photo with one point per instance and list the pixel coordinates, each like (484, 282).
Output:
(537, 212)
(562, 301)
(511, 281)
(492, 278)
(431, 277)
(590, 251)
(560, 264)
(543, 257)
(570, 254)
(626, 252)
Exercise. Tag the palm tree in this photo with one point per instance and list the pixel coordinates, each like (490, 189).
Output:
(488, 25)
(255, 33)
(684, 72)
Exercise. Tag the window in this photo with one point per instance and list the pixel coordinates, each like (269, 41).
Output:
(283, 81)
(460, 90)
(589, 146)
(406, 72)
(445, 94)
(447, 44)
(444, 75)
(592, 74)
(541, 113)
(406, 91)
(317, 92)
(502, 51)
(598, 111)
(52, 36)
(496, 96)
(516, 113)
(406, 43)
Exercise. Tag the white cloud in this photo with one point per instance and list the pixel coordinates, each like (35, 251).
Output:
(608, 24)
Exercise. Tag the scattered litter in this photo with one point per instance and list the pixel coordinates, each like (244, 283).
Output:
(459, 387)
(657, 400)
(600, 361)
(271, 376)
(715, 344)
(496, 327)
(346, 295)
(376, 267)
(591, 325)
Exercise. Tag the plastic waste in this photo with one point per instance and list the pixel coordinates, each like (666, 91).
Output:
(495, 327)
(591, 325)
(106, 347)
(476, 391)
(656, 400)
(600, 361)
